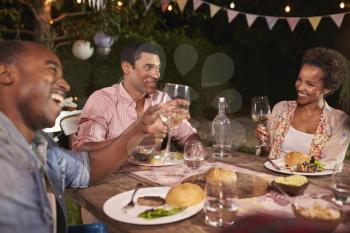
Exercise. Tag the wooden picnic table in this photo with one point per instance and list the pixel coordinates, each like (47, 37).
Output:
(94, 197)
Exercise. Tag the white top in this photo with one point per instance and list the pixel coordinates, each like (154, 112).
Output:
(296, 140)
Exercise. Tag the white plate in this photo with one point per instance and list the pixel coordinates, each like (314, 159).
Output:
(132, 160)
(113, 207)
(284, 170)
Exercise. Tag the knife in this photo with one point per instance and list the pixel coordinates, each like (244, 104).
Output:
(273, 164)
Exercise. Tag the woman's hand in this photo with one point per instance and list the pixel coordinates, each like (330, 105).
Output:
(262, 133)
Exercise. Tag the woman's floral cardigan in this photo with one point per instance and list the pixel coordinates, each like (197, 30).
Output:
(330, 141)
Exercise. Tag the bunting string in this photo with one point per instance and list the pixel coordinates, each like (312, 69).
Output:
(251, 18)
(270, 20)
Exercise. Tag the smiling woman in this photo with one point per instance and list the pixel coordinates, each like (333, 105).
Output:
(308, 124)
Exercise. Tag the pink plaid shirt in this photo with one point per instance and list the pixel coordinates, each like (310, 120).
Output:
(109, 111)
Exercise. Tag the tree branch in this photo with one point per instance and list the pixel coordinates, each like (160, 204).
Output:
(16, 31)
(63, 37)
(63, 16)
(61, 44)
(32, 8)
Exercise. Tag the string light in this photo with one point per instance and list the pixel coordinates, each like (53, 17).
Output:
(342, 5)
(78, 1)
(120, 3)
(48, 2)
(287, 9)
(232, 5)
(170, 7)
(51, 21)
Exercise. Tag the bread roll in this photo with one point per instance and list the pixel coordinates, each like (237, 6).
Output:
(184, 195)
(294, 158)
(220, 175)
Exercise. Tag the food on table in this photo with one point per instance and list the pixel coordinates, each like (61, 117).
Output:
(158, 213)
(300, 162)
(147, 150)
(184, 195)
(295, 180)
(318, 212)
(155, 159)
(217, 175)
(175, 155)
(309, 167)
(295, 158)
(142, 157)
(292, 185)
(248, 185)
(151, 201)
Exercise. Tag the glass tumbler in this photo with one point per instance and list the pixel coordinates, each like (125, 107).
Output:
(220, 206)
(194, 154)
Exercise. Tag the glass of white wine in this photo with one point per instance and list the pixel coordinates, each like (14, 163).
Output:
(175, 114)
(260, 114)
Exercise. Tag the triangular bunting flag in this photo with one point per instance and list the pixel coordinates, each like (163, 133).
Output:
(231, 15)
(181, 4)
(213, 9)
(196, 4)
(164, 4)
(148, 4)
(292, 21)
(315, 21)
(338, 19)
(250, 19)
(271, 21)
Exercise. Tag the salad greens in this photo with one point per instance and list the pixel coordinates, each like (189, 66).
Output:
(310, 167)
(319, 165)
(159, 212)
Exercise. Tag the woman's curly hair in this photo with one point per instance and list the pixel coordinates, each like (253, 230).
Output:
(331, 62)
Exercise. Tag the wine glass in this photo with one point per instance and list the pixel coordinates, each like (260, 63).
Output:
(260, 114)
(194, 154)
(174, 115)
(340, 189)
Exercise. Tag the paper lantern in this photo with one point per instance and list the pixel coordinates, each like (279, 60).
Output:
(102, 40)
(82, 49)
(103, 51)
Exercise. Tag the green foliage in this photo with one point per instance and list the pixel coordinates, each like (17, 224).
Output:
(11, 15)
(73, 210)
(73, 21)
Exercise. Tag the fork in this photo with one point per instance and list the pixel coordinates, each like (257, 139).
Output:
(131, 203)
